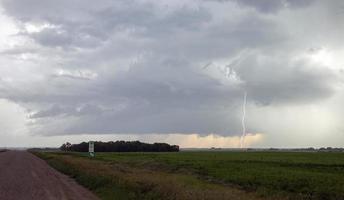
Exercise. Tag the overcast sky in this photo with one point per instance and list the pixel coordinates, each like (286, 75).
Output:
(172, 71)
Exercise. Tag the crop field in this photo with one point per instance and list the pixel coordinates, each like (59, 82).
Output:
(206, 175)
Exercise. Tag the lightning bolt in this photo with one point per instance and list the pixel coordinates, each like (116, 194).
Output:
(242, 139)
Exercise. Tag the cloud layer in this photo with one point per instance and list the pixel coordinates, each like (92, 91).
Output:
(142, 66)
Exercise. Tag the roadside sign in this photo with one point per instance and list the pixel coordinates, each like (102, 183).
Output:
(91, 148)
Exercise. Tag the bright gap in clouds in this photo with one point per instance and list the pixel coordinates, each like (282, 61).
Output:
(13, 121)
(323, 56)
(36, 28)
(8, 29)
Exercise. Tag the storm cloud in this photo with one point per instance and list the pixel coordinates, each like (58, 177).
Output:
(143, 67)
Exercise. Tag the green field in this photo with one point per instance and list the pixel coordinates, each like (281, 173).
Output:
(211, 175)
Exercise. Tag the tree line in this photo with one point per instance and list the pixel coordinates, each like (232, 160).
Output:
(121, 146)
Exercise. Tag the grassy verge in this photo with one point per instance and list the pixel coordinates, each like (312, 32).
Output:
(92, 175)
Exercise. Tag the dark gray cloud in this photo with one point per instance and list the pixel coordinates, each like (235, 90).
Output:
(57, 110)
(91, 24)
(272, 6)
(284, 81)
(138, 66)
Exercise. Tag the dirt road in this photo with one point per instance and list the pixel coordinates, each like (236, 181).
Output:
(23, 176)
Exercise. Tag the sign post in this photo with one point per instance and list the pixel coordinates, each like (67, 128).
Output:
(91, 148)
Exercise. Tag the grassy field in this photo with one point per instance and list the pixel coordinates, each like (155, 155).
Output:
(206, 175)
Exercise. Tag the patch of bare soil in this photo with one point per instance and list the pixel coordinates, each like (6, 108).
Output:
(24, 176)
